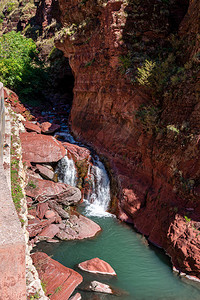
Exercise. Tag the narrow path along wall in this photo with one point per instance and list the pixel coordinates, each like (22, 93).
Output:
(12, 242)
(2, 120)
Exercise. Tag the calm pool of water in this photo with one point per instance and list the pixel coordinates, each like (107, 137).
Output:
(142, 270)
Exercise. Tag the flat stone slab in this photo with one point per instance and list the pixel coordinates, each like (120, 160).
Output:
(31, 127)
(49, 128)
(45, 172)
(49, 231)
(78, 228)
(60, 281)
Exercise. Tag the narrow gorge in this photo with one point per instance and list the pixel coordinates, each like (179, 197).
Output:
(110, 142)
(147, 131)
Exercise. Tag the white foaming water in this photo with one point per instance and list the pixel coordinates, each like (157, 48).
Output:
(97, 202)
(66, 171)
(98, 199)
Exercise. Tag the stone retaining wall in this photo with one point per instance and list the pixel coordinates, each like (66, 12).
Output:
(12, 242)
(2, 120)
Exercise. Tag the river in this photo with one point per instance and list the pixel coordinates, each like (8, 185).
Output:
(144, 271)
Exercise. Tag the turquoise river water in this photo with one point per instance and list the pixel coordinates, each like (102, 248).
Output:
(142, 270)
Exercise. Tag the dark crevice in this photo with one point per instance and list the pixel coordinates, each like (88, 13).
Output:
(177, 12)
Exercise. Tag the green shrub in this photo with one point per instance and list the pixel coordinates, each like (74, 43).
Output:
(20, 67)
(125, 62)
(148, 116)
(187, 219)
(1, 17)
(10, 6)
(16, 53)
(173, 128)
(145, 72)
(32, 184)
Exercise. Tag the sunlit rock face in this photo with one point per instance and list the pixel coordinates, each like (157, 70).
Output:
(149, 135)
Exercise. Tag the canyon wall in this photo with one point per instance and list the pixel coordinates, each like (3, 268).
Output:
(148, 130)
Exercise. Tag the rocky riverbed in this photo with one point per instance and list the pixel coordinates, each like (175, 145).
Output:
(50, 206)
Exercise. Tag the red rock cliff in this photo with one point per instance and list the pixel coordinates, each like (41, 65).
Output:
(150, 137)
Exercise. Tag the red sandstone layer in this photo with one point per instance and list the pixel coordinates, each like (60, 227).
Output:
(157, 165)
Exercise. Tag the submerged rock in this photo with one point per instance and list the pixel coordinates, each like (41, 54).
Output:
(60, 281)
(96, 286)
(97, 266)
(76, 297)
(99, 287)
(40, 148)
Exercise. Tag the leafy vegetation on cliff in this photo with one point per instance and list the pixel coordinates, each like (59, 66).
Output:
(20, 67)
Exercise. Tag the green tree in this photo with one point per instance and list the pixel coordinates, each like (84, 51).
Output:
(20, 67)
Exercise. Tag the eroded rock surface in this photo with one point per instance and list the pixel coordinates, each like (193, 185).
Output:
(149, 135)
(60, 281)
(78, 227)
(78, 153)
(46, 172)
(30, 126)
(40, 148)
(43, 190)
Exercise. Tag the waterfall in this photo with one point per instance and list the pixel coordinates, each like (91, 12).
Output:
(98, 199)
(66, 171)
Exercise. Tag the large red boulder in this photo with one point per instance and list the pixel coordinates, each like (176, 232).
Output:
(40, 148)
(79, 227)
(60, 281)
(97, 265)
(78, 153)
(48, 190)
